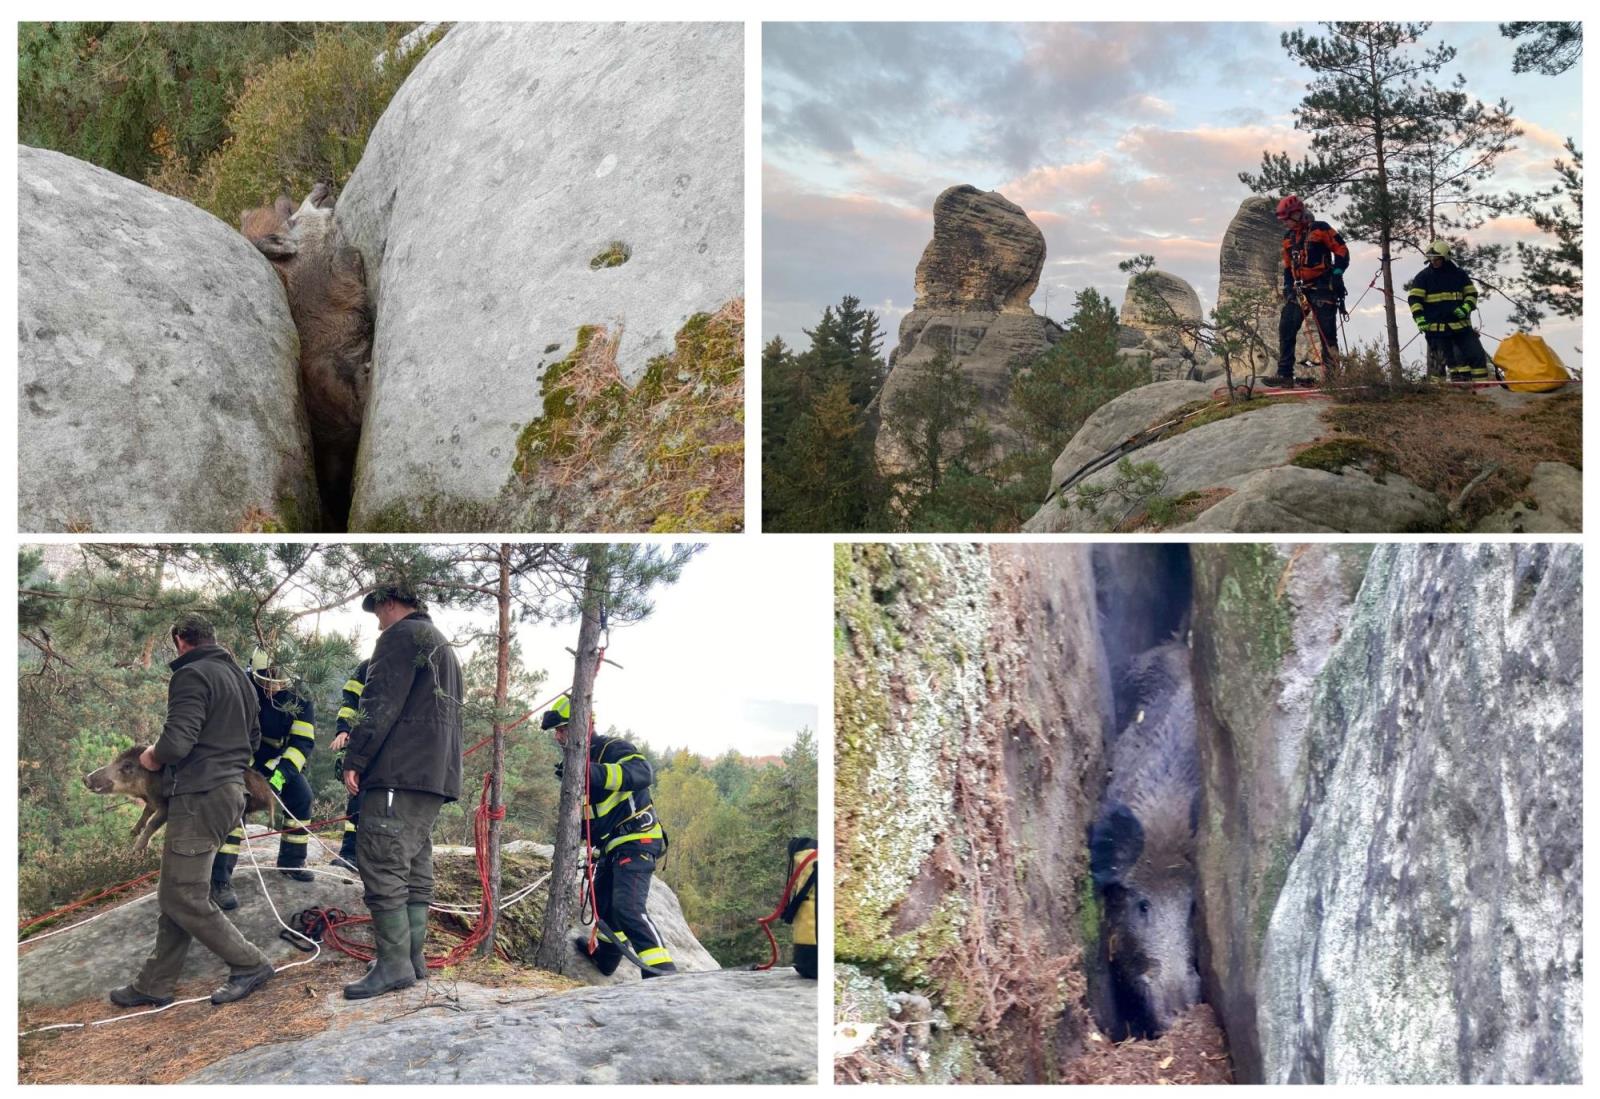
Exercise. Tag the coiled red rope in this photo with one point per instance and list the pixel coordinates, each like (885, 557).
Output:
(766, 922)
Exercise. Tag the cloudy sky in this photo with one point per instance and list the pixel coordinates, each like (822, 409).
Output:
(1116, 138)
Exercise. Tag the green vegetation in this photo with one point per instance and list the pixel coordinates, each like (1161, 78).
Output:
(615, 254)
(666, 455)
(1333, 455)
(92, 681)
(823, 435)
(226, 115)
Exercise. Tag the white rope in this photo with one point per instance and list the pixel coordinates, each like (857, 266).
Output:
(31, 939)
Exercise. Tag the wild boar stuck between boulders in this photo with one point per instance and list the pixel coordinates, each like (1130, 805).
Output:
(327, 286)
(125, 775)
(1142, 849)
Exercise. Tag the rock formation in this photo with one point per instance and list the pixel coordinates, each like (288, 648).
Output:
(85, 962)
(157, 381)
(1282, 466)
(1252, 263)
(1153, 302)
(1391, 838)
(1390, 824)
(529, 180)
(973, 284)
(728, 1027)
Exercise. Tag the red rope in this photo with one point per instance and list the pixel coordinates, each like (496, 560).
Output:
(788, 890)
(25, 924)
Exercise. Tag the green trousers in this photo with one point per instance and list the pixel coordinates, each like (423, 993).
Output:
(197, 824)
(394, 847)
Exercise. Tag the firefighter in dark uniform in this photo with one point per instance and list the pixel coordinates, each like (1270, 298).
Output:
(288, 737)
(349, 707)
(1442, 298)
(628, 840)
(1314, 262)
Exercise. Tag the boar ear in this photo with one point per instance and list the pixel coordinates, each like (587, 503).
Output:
(1114, 845)
(276, 246)
(284, 206)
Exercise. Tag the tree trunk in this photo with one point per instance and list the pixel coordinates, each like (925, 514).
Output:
(497, 766)
(1385, 216)
(567, 864)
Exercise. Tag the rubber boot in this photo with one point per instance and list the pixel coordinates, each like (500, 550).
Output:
(417, 915)
(391, 932)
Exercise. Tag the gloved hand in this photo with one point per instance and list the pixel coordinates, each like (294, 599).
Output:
(1462, 313)
(277, 778)
(560, 767)
(1422, 325)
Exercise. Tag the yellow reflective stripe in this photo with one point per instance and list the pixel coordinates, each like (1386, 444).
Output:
(354, 686)
(1415, 292)
(625, 759)
(297, 839)
(228, 849)
(349, 826)
(303, 728)
(1448, 295)
(296, 757)
(620, 936)
(613, 775)
(290, 822)
(655, 955)
(610, 803)
(346, 713)
(236, 834)
(653, 834)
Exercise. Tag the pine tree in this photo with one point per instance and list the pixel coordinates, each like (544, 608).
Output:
(1552, 277)
(935, 423)
(1555, 47)
(1398, 150)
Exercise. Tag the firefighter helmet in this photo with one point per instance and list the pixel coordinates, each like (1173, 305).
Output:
(1440, 248)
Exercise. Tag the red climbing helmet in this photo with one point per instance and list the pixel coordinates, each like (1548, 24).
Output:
(1290, 208)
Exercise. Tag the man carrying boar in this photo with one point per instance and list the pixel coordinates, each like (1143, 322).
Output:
(404, 759)
(629, 839)
(288, 737)
(211, 732)
(1442, 298)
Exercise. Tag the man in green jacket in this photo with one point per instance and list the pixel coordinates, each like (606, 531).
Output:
(404, 759)
(211, 732)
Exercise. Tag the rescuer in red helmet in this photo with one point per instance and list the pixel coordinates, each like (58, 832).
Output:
(1314, 261)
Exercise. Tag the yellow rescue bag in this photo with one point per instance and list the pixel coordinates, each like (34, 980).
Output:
(1529, 365)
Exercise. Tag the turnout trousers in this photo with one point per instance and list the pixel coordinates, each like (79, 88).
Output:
(296, 795)
(1292, 318)
(621, 896)
(394, 848)
(196, 827)
(1458, 355)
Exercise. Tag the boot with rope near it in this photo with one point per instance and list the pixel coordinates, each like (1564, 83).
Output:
(392, 969)
(417, 919)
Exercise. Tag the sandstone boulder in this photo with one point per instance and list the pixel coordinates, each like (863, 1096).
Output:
(1290, 498)
(727, 1027)
(973, 285)
(1551, 504)
(1155, 307)
(157, 363)
(92, 959)
(529, 180)
(1251, 262)
(1219, 455)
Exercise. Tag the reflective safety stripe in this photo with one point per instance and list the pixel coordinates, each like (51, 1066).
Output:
(613, 775)
(236, 834)
(354, 686)
(303, 728)
(655, 955)
(620, 936)
(605, 807)
(653, 834)
(301, 839)
(1447, 295)
(228, 849)
(346, 713)
(296, 757)
(349, 826)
